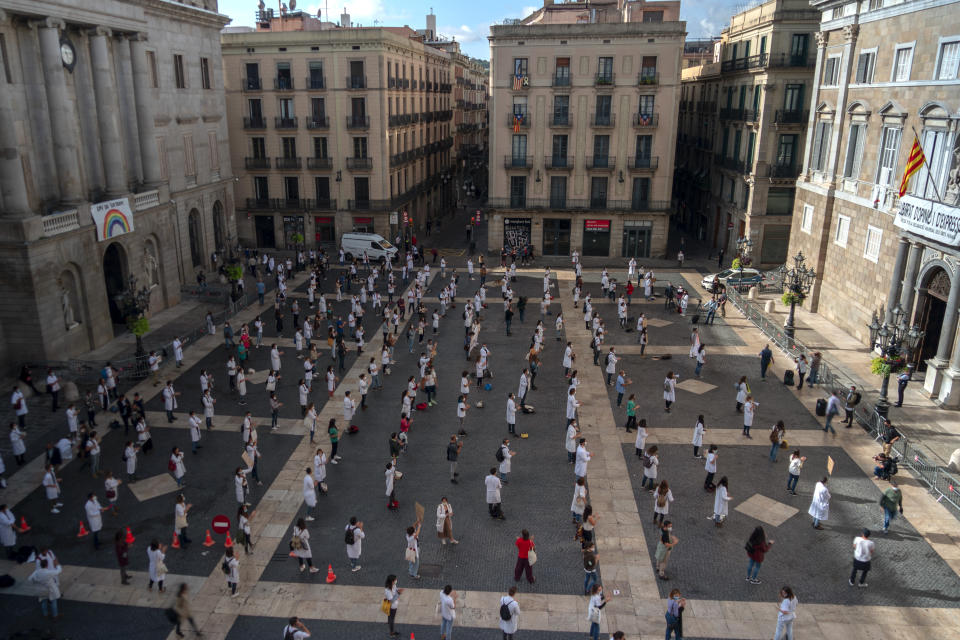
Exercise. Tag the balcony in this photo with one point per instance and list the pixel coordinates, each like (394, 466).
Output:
(790, 116)
(643, 163)
(356, 82)
(602, 162)
(445, 87)
(398, 159)
(521, 120)
(288, 163)
(320, 163)
(358, 122)
(733, 164)
(283, 83)
(604, 80)
(427, 116)
(313, 83)
(391, 83)
(757, 61)
(518, 83)
(322, 203)
(403, 83)
(360, 164)
(738, 114)
(646, 120)
(285, 123)
(648, 77)
(517, 162)
(322, 122)
(368, 205)
(61, 222)
(255, 123)
(251, 83)
(256, 163)
(561, 81)
(561, 120)
(259, 203)
(782, 171)
(293, 204)
(559, 163)
(569, 204)
(792, 60)
(603, 120)
(446, 114)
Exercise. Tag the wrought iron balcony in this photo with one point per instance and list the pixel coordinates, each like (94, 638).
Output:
(643, 163)
(318, 122)
(360, 164)
(285, 123)
(602, 162)
(255, 123)
(356, 82)
(283, 83)
(564, 163)
(603, 120)
(314, 83)
(288, 163)
(256, 163)
(358, 122)
(320, 163)
(517, 162)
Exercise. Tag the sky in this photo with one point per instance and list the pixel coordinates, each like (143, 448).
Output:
(469, 23)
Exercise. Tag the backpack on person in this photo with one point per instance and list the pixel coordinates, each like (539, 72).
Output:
(666, 385)
(499, 454)
(348, 537)
(647, 461)
(225, 567)
(775, 436)
(505, 614)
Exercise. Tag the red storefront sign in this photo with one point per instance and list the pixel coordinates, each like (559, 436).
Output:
(363, 220)
(323, 220)
(596, 225)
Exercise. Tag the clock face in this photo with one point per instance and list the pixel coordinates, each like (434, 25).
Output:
(67, 54)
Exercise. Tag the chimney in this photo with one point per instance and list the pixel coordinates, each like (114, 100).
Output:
(345, 18)
(431, 26)
(547, 3)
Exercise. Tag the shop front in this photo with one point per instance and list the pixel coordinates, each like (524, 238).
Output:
(596, 237)
(516, 233)
(325, 230)
(636, 238)
(363, 224)
(556, 237)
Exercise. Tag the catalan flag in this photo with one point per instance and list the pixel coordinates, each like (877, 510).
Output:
(914, 162)
(517, 82)
(517, 121)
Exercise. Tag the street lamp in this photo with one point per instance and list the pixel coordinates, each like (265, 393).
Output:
(895, 342)
(798, 282)
(134, 303)
(744, 245)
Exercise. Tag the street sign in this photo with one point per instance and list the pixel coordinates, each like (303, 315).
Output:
(729, 225)
(393, 217)
(220, 524)
(406, 219)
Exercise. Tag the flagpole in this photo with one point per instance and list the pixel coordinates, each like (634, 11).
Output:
(929, 182)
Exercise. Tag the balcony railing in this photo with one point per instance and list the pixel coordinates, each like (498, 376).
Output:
(519, 119)
(517, 162)
(391, 83)
(643, 163)
(255, 123)
(561, 80)
(288, 163)
(558, 162)
(733, 164)
(279, 203)
(738, 114)
(601, 162)
(561, 120)
(604, 80)
(360, 164)
(446, 114)
(250, 83)
(398, 159)
(648, 77)
(315, 82)
(323, 203)
(320, 163)
(283, 83)
(646, 120)
(358, 122)
(603, 120)
(256, 163)
(61, 222)
(745, 64)
(285, 123)
(318, 123)
(569, 204)
(783, 171)
(792, 60)
(260, 203)
(356, 82)
(791, 116)
(368, 205)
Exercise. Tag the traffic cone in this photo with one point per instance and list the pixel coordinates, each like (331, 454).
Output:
(176, 541)
(129, 539)
(24, 527)
(83, 531)
(209, 541)
(331, 577)
(412, 636)
(229, 542)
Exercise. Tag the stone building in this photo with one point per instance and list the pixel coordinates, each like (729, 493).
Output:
(114, 164)
(887, 75)
(583, 127)
(747, 111)
(336, 128)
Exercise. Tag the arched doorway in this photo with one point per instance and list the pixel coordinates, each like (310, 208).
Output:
(930, 312)
(196, 238)
(219, 227)
(115, 279)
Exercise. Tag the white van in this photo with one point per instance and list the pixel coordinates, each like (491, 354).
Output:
(375, 245)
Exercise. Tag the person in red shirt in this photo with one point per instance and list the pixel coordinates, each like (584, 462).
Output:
(629, 291)
(524, 547)
(757, 546)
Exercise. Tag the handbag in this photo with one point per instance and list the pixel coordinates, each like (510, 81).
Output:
(532, 557)
(271, 385)
(594, 616)
(295, 543)
(410, 555)
(161, 568)
(385, 607)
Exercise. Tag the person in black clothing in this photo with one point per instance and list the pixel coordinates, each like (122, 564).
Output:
(27, 378)
(508, 317)
(123, 408)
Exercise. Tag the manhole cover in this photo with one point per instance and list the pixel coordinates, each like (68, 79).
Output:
(430, 570)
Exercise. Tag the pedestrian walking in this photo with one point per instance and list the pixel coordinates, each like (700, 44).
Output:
(669, 390)
(802, 367)
(674, 614)
(231, 567)
(833, 409)
(300, 546)
(156, 553)
(742, 390)
(181, 607)
(651, 462)
(891, 503)
(595, 609)
(391, 596)
(720, 502)
(665, 544)
(757, 546)
(820, 503)
(793, 471)
(777, 438)
(786, 614)
(448, 611)
(698, 430)
(863, 549)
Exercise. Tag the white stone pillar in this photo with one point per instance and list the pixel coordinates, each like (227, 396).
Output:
(13, 186)
(108, 113)
(949, 392)
(940, 381)
(909, 290)
(149, 156)
(63, 122)
(850, 39)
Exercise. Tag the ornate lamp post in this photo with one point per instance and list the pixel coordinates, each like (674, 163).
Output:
(744, 245)
(134, 303)
(895, 343)
(798, 282)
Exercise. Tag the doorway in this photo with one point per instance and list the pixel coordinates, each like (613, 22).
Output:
(219, 227)
(556, 237)
(114, 279)
(932, 308)
(636, 238)
(265, 234)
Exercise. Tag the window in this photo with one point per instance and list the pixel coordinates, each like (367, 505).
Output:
(605, 69)
(653, 16)
(851, 166)
(151, 68)
(931, 179)
(316, 74)
(361, 189)
(751, 145)
(205, 73)
(179, 78)
(806, 218)
(842, 231)
(322, 186)
(256, 110)
(162, 153)
(598, 192)
(320, 147)
(258, 148)
(780, 201)
(871, 246)
(601, 151)
(561, 109)
(821, 145)
(286, 108)
(357, 79)
(640, 195)
(866, 62)
(189, 161)
(763, 45)
(603, 116)
(798, 48)
(518, 191)
(646, 105)
(519, 148)
(253, 76)
(261, 188)
(284, 78)
(831, 71)
(725, 145)
(289, 147)
(359, 147)
(948, 59)
(737, 136)
(562, 76)
(902, 59)
(559, 158)
(213, 146)
(889, 148)
(558, 192)
(648, 69)
(318, 110)
(520, 67)
(644, 146)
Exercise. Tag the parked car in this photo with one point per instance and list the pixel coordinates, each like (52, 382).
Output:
(376, 246)
(735, 277)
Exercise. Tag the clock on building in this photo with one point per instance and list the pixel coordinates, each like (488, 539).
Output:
(68, 54)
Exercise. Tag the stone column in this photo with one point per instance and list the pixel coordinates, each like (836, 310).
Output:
(949, 392)
(894, 294)
(812, 122)
(111, 142)
(149, 156)
(850, 39)
(908, 292)
(64, 128)
(949, 328)
(13, 186)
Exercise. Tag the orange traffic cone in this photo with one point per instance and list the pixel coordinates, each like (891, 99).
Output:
(129, 539)
(83, 531)
(331, 577)
(24, 527)
(412, 636)
(176, 541)
(229, 542)
(209, 541)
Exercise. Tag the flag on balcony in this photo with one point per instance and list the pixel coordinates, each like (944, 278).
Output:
(914, 162)
(644, 120)
(517, 121)
(517, 82)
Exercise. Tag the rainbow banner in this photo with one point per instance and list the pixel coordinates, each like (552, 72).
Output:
(113, 218)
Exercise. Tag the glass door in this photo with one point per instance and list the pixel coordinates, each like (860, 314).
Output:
(556, 237)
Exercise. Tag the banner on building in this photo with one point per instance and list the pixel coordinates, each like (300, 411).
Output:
(516, 232)
(931, 220)
(113, 218)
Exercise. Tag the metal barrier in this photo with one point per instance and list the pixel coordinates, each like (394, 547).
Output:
(942, 483)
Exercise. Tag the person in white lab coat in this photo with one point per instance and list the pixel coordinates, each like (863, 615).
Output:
(493, 484)
(310, 493)
(509, 627)
(582, 458)
(355, 548)
(505, 465)
(94, 517)
(820, 503)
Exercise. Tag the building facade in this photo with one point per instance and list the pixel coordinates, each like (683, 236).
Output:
(748, 113)
(114, 164)
(887, 75)
(583, 127)
(336, 128)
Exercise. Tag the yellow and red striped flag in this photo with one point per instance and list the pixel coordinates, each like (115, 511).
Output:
(914, 162)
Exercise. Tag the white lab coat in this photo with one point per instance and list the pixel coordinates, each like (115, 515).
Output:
(720, 501)
(820, 504)
(567, 359)
(8, 535)
(505, 465)
(493, 488)
(130, 456)
(389, 476)
(509, 626)
(275, 359)
(571, 439)
(670, 389)
(309, 491)
(354, 550)
(583, 457)
(92, 507)
(511, 411)
(304, 550)
(155, 557)
(698, 435)
(169, 398)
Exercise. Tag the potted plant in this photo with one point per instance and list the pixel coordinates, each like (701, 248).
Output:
(791, 297)
(885, 366)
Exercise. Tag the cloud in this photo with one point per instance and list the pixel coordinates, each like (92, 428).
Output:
(465, 33)
(708, 17)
